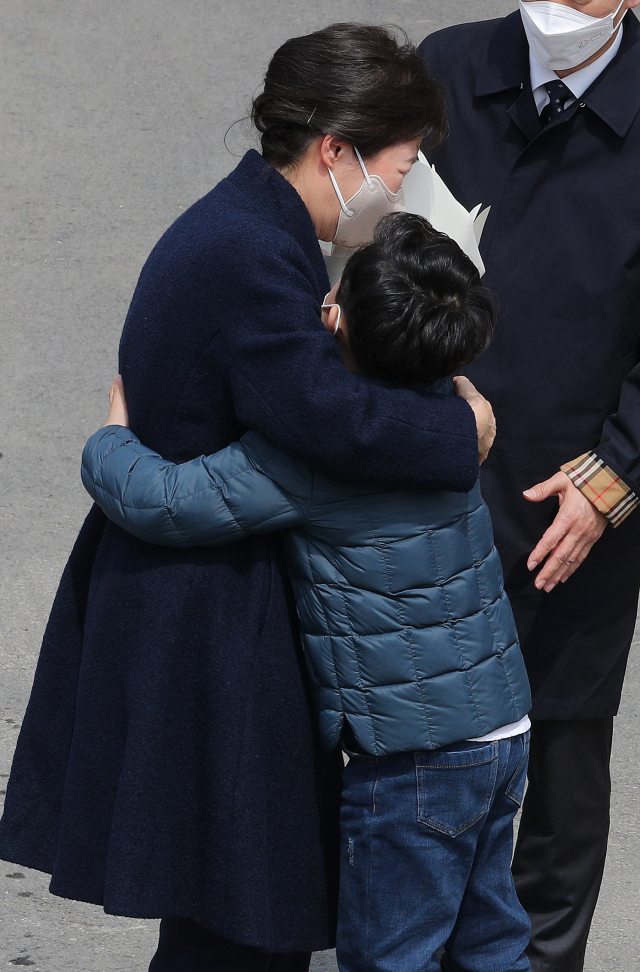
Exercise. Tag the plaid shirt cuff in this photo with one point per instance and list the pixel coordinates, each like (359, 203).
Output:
(602, 487)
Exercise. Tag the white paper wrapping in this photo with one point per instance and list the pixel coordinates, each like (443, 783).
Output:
(427, 195)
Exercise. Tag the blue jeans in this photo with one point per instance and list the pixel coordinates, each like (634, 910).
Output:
(426, 861)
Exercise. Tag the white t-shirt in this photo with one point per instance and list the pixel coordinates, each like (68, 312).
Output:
(506, 732)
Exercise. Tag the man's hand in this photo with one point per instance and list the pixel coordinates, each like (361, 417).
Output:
(118, 414)
(571, 535)
(485, 420)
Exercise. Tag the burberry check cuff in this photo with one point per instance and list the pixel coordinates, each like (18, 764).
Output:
(602, 487)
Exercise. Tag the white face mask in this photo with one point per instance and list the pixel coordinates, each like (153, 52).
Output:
(360, 214)
(560, 37)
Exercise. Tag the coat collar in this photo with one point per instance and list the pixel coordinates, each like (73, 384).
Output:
(271, 195)
(614, 96)
(506, 60)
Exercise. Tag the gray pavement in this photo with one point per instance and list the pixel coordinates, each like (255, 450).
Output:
(112, 117)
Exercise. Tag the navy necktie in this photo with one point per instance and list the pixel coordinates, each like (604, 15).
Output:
(558, 95)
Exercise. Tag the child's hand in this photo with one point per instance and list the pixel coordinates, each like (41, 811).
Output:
(118, 414)
(485, 419)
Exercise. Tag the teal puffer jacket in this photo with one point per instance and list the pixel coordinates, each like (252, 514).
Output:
(407, 630)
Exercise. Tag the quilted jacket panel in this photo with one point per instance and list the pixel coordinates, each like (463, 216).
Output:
(408, 633)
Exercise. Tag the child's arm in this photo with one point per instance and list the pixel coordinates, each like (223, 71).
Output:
(249, 487)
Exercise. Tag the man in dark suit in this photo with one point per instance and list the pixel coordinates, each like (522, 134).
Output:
(545, 128)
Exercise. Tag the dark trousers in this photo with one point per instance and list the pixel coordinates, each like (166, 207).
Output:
(562, 841)
(185, 946)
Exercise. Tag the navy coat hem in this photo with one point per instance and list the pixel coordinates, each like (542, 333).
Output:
(11, 852)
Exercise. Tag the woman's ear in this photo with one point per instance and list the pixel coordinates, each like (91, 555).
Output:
(333, 149)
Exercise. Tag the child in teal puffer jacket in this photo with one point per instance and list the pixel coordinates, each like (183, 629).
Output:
(410, 642)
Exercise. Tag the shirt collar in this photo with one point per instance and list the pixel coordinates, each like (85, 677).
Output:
(614, 95)
(579, 81)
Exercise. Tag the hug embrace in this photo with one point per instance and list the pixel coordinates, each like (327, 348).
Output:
(290, 558)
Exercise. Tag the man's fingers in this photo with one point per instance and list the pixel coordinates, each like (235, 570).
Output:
(580, 555)
(550, 487)
(570, 537)
(548, 542)
(561, 564)
(560, 576)
(566, 559)
(563, 539)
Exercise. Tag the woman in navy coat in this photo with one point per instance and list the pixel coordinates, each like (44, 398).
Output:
(167, 766)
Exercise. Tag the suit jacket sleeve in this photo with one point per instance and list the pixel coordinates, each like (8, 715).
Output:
(288, 383)
(247, 488)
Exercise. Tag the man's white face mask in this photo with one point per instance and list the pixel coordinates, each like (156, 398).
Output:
(360, 214)
(560, 37)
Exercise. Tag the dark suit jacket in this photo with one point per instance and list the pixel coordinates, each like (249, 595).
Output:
(562, 249)
(166, 763)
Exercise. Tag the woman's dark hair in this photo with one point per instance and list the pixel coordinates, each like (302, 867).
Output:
(415, 307)
(350, 80)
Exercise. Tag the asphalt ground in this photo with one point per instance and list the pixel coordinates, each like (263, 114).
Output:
(112, 122)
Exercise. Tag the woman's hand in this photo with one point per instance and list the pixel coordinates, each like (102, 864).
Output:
(485, 419)
(118, 414)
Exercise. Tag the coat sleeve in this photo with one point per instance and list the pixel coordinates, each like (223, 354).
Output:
(609, 475)
(287, 382)
(213, 500)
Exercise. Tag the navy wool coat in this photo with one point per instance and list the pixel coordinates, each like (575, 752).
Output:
(168, 764)
(562, 249)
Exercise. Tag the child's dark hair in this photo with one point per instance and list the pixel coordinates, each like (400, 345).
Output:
(415, 307)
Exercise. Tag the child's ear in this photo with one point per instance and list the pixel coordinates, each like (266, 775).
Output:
(341, 335)
(330, 318)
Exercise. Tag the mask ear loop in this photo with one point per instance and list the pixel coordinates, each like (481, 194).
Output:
(343, 205)
(390, 195)
(616, 14)
(364, 168)
(337, 325)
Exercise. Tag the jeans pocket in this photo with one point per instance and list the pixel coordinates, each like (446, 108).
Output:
(456, 786)
(515, 787)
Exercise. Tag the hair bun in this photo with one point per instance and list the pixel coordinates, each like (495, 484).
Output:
(354, 81)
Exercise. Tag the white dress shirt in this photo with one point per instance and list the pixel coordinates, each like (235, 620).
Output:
(578, 82)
